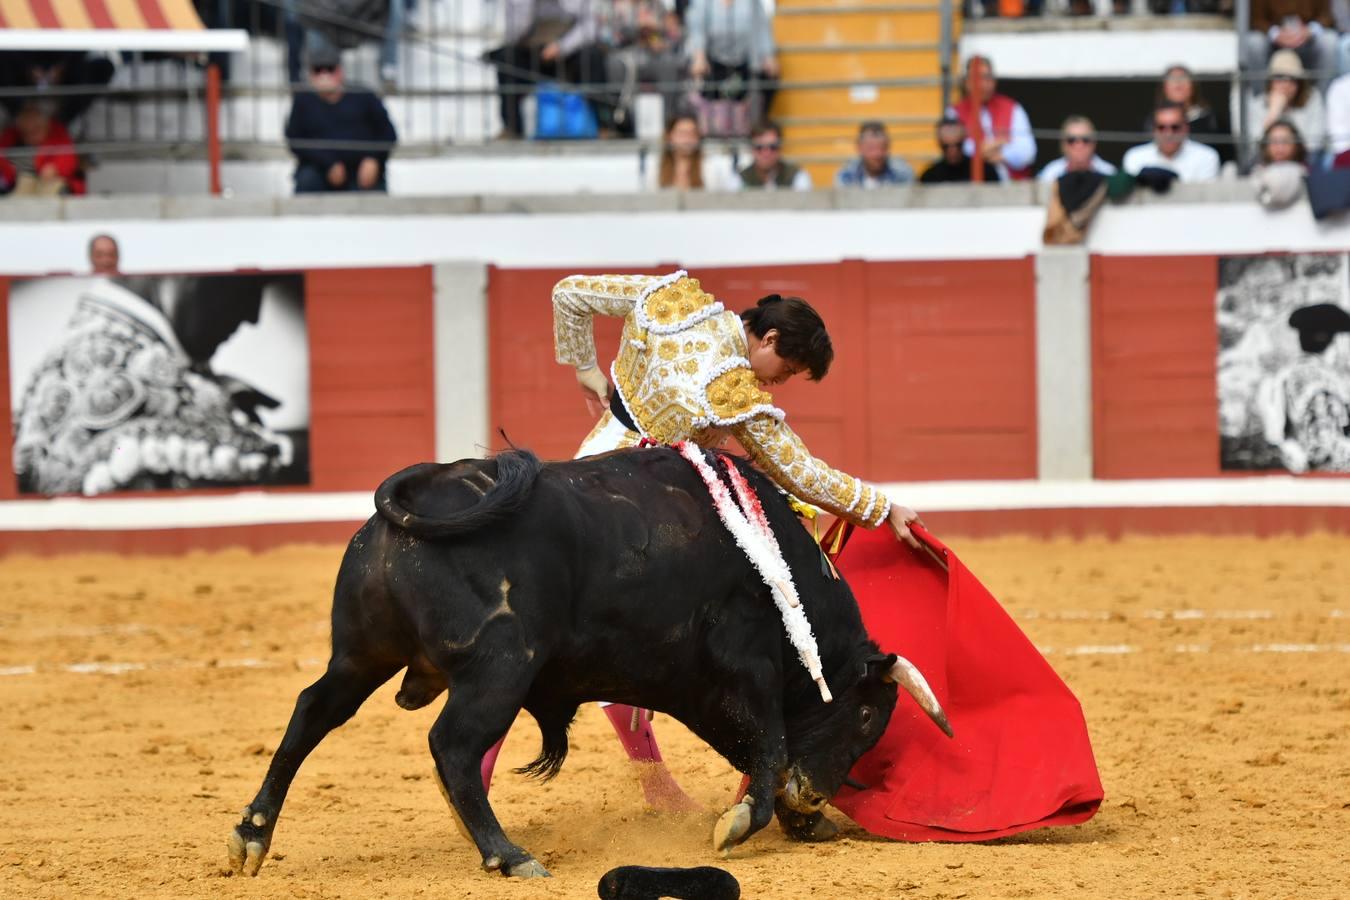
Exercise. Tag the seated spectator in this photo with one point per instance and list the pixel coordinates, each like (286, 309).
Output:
(683, 166)
(1078, 144)
(874, 166)
(1007, 142)
(44, 69)
(1303, 26)
(953, 165)
(646, 45)
(341, 138)
(551, 41)
(1289, 96)
(37, 156)
(1178, 86)
(731, 45)
(1281, 142)
(104, 255)
(1172, 149)
(768, 170)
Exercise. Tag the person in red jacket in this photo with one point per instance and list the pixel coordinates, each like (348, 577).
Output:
(37, 156)
(1007, 144)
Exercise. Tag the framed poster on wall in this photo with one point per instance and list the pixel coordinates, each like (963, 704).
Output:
(1284, 362)
(163, 382)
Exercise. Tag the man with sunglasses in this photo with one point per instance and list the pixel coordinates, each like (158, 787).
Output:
(1172, 149)
(1078, 144)
(768, 170)
(954, 164)
(341, 138)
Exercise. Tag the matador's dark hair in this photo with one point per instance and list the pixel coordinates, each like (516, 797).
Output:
(802, 338)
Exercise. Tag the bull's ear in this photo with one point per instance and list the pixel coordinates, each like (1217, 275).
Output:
(877, 665)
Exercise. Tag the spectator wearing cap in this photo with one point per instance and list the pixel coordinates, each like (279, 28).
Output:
(1078, 144)
(341, 138)
(1289, 96)
(1172, 150)
(954, 164)
(1304, 26)
(874, 167)
(768, 170)
(1008, 143)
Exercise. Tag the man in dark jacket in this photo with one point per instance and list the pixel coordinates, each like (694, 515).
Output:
(341, 139)
(954, 164)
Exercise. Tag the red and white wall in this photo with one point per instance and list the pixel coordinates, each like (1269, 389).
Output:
(995, 385)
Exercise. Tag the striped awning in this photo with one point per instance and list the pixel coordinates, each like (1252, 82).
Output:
(170, 25)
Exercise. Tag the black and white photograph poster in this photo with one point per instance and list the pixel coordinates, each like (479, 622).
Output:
(1284, 362)
(163, 382)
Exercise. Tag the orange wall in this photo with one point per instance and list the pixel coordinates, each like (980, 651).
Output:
(1154, 365)
(934, 374)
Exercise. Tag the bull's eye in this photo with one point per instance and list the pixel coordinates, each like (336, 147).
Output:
(865, 717)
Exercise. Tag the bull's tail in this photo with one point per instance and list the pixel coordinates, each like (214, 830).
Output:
(437, 491)
(554, 724)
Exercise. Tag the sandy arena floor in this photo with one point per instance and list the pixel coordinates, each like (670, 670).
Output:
(140, 701)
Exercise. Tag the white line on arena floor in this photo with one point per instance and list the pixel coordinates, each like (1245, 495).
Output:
(122, 668)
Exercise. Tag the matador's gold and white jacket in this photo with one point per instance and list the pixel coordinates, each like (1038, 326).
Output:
(682, 373)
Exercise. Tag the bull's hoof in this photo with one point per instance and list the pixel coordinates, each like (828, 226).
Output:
(249, 842)
(530, 868)
(732, 827)
(809, 829)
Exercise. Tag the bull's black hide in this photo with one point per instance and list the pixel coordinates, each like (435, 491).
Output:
(648, 883)
(544, 586)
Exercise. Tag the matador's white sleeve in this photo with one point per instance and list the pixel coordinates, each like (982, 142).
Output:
(735, 401)
(577, 299)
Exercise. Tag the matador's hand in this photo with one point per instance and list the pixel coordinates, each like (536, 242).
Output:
(595, 387)
(899, 520)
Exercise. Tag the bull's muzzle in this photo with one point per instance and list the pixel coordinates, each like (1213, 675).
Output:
(799, 796)
(904, 673)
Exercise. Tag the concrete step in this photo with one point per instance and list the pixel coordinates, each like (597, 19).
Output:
(823, 26)
(860, 101)
(858, 64)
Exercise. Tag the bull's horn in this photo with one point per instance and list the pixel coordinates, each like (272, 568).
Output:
(825, 690)
(911, 679)
(791, 598)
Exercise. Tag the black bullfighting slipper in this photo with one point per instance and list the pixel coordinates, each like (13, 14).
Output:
(647, 883)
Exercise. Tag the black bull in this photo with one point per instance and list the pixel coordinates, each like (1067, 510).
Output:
(522, 585)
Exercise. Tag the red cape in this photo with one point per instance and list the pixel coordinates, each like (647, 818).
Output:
(1020, 758)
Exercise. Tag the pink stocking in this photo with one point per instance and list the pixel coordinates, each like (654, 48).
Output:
(489, 763)
(660, 788)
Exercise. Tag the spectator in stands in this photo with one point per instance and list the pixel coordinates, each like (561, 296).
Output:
(683, 166)
(1282, 142)
(104, 256)
(1078, 144)
(551, 39)
(1303, 26)
(37, 156)
(768, 170)
(954, 164)
(1007, 140)
(730, 45)
(1172, 150)
(646, 44)
(42, 70)
(874, 166)
(1289, 96)
(1338, 122)
(341, 138)
(1178, 86)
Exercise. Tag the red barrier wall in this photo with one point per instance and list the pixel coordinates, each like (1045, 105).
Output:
(934, 374)
(1154, 364)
